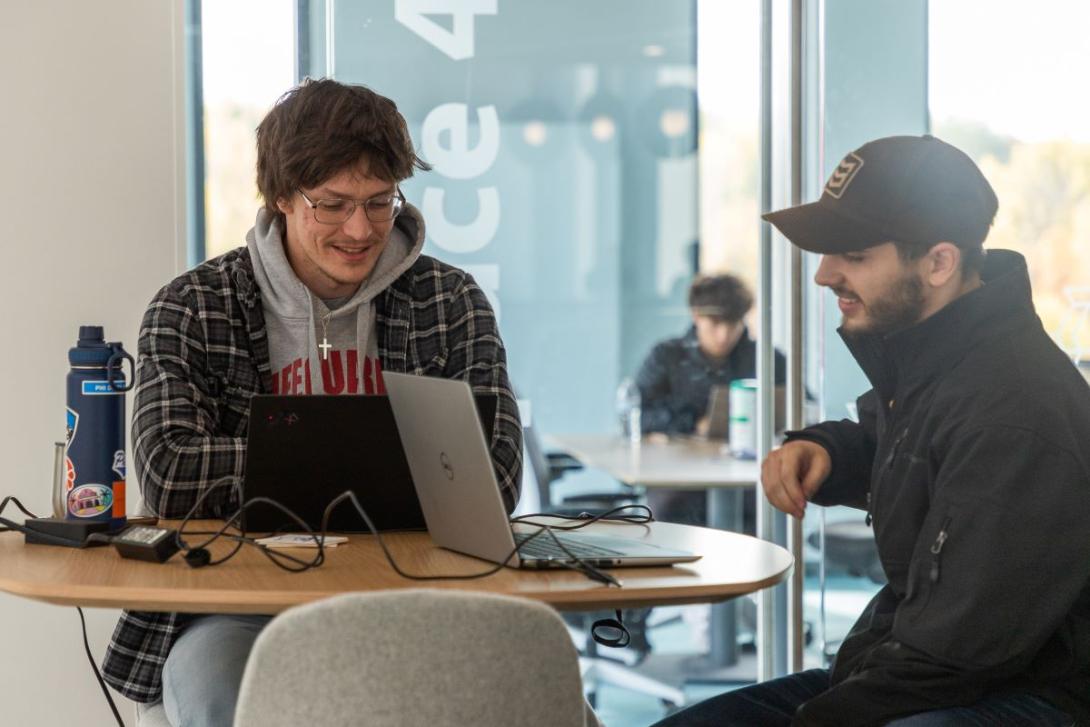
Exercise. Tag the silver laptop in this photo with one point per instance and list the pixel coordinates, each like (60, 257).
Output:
(452, 470)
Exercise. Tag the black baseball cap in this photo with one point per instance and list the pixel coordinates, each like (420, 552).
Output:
(910, 189)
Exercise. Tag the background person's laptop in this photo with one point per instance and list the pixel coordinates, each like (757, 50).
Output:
(454, 478)
(303, 451)
(718, 412)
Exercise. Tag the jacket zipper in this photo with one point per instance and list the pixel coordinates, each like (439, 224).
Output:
(936, 550)
(887, 464)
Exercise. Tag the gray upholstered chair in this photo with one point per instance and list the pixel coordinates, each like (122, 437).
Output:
(414, 657)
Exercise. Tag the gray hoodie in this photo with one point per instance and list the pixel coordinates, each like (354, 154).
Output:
(297, 322)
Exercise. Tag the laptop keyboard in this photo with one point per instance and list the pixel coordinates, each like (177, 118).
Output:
(544, 546)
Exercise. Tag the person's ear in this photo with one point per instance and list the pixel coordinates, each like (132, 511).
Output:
(941, 264)
(283, 205)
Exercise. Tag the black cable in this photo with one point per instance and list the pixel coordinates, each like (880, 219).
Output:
(609, 632)
(349, 495)
(197, 555)
(584, 519)
(94, 666)
(241, 539)
(576, 564)
(4, 503)
(600, 628)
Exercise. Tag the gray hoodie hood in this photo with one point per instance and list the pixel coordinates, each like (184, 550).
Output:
(295, 318)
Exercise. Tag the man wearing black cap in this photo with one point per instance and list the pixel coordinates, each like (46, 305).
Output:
(971, 458)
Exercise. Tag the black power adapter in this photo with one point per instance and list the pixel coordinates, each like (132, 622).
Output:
(58, 531)
(146, 543)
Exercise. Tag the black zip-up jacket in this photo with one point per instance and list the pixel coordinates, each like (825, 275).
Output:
(972, 458)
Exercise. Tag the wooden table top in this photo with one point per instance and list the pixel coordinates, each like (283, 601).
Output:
(731, 565)
(659, 462)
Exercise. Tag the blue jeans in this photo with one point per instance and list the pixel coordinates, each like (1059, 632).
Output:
(774, 703)
(203, 671)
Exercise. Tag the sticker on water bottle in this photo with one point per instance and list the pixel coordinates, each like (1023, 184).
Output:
(70, 428)
(102, 388)
(90, 500)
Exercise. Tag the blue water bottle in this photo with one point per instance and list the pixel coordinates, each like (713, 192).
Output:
(95, 448)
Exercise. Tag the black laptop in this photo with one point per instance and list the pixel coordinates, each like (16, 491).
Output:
(303, 451)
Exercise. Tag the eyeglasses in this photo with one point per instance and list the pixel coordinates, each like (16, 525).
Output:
(382, 208)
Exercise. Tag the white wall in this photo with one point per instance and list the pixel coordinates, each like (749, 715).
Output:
(91, 225)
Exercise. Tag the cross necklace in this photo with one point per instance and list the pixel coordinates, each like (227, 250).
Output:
(325, 345)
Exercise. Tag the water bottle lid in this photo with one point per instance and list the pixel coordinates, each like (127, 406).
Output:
(90, 349)
(90, 334)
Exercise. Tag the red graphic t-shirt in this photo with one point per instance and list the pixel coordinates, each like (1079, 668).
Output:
(340, 375)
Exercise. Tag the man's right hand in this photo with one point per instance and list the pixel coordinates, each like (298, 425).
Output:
(792, 474)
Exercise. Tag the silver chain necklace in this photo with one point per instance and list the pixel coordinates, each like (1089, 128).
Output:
(325, 345)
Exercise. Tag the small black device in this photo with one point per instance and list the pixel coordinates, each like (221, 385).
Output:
(61, 531)
(303, 451)
(146, 543)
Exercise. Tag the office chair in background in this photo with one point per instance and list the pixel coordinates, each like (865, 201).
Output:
(850, 546)
(414, 657)
(599, 665)
(548, 468)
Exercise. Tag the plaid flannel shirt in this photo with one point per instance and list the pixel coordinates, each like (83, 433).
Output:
(203, 353)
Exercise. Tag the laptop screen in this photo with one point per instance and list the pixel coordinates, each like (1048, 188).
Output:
(303, 451)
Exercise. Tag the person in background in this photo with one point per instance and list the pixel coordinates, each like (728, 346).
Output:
(677, 377)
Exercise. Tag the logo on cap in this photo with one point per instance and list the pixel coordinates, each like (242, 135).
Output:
(843, 175)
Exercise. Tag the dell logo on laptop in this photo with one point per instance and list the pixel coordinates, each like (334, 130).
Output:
(448, 468)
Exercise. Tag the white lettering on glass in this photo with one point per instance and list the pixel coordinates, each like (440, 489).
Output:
(457, 43)
(458, 160)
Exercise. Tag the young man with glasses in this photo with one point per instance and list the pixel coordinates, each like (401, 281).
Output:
(330, 289)
(970, 459)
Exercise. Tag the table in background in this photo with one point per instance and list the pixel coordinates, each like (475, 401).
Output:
(681, 463)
